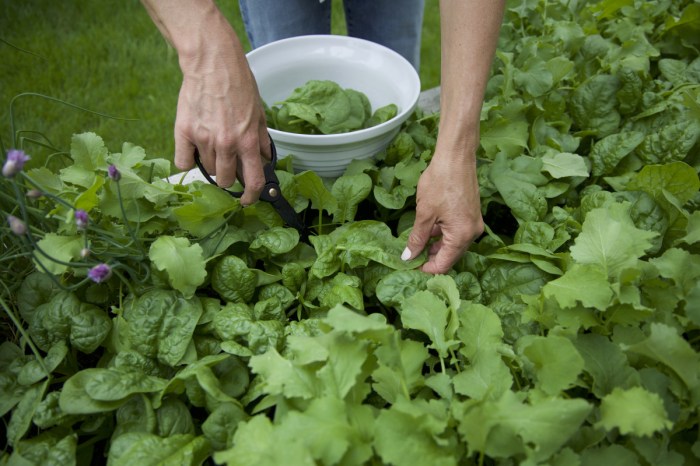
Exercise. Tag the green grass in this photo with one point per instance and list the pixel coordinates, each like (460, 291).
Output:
(107, 56)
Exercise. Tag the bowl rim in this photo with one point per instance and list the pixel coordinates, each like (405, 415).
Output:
(352, 137)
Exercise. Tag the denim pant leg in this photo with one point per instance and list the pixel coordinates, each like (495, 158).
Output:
(397, 25)
(269, 20)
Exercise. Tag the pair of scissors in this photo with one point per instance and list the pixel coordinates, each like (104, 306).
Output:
(271, 193)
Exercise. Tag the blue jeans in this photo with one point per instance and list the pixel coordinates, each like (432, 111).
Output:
(396, 25)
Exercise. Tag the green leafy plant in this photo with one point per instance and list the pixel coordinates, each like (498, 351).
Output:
(324, 107)
(164, 323)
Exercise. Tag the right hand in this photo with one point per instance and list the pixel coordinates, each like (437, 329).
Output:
(219, 112)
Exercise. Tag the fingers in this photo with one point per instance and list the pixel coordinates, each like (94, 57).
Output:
(253, 178)
(420, 234)
(184, 152)
(442, 256)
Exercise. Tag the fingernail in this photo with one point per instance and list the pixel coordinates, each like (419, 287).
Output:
(406, 254)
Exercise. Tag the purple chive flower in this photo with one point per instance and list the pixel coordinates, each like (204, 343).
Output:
(17, 226)
(81, 219)
(113, 173)
(34, 194)
(14, 162)
(100, 273)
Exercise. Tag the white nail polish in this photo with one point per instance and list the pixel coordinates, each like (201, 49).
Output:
(406, 254)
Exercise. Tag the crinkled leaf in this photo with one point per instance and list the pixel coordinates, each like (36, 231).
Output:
(149, 449)
(349, 191)
(59, 247)
(160, 323)
(233, 280)
(182, 261)
(564, 164)
(207, 211)
(584, 283)
(633, 411)
(555, 361)
(610, 239)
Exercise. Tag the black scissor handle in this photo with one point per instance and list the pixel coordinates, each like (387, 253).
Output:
(271, 191)
(268, 170)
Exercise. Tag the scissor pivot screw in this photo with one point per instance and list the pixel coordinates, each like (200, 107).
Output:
(272, 192)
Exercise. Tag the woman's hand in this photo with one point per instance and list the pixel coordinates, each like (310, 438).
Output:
(447, 208)
(219, 110)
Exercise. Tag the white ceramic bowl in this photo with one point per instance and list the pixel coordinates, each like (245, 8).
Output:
(377, 71)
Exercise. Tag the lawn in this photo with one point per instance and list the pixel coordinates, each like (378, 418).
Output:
(108, 57)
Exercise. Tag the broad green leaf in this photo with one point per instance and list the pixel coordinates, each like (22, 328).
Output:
(508, 426)
(555, 361)
(327, 261)
(506, 281)
(74, 398)
(276, 240)
(394, 288)
(282, 377)
(61, 248)
(480, 331)
(564, 164)
(342, 289)
(88, 152)
(593, 105)
(505, 130)
(88, 199)
(609, 454)
(258, 442)
(426, 312)
(394, 198)
(159, 324)
(349, 191)
(21, 419)
(174, 418)
(51, 448)
(487, 377)
(633, 411)
(151, 450)
(333, 431)
(677, 178)
(607, 152)
(584, 283)
(182, 261)
(400, 367)
(664, 345)
(680, 266)
(692, 235)
(525, 200)
(342, 369)
(117, 384)
(415, 432)
(669, 144)
(33, 371)
(233, 280)
(605, 362)
(207, 211)
(534, 77)
(346, 320)
(609, 238)
(221, 425)
(311, 186)
(89, 328)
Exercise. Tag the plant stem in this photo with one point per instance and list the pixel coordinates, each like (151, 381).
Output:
(27, 338)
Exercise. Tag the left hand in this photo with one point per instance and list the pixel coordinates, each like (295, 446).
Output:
(448, 207)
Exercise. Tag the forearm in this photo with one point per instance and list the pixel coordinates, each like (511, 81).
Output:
(469, 30)
(197, 30)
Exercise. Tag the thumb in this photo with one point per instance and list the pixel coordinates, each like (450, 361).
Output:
(419, 236)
